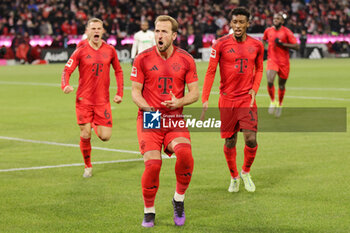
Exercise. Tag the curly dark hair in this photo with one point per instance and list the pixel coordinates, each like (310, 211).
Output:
(241, 11)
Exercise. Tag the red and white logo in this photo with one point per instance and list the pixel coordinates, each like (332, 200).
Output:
(134, 72)
(69, 62)
(213, 53)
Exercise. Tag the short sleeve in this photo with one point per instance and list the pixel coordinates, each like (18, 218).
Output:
(191, 75)
(265, 34)
(137, 74)
(291, 38)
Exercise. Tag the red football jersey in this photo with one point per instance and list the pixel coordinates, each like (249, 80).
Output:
(276, 53)
(82, 42)
(94, 68)
(241, 67)
(160, 76)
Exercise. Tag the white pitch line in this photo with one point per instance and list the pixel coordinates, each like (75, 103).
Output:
(314, 98)
(73, 164)
(318, 88)
(67, 165)
(76, 164)
(30, 84)
(67, 145)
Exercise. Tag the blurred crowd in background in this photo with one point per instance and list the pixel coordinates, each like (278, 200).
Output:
(122, 18)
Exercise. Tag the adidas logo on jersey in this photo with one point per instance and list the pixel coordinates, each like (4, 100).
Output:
(231, 51)
(154, 68)
(88, 56)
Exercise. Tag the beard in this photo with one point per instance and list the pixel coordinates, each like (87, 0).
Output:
(165, 47)
(278, 25)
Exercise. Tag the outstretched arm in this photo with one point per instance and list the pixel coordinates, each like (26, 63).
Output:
(208, 80)
(68, 70)
(118, 73)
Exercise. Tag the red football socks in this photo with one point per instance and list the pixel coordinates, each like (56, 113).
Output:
(183, 166)
(271, 91)
(231, 154)
(150, 181)
(85, 148)
(249, 156)
(281, 95)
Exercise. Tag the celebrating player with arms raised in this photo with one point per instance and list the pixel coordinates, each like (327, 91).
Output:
(241, 66)
(93, 108)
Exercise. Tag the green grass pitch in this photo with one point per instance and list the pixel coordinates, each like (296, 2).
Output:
(302, 179)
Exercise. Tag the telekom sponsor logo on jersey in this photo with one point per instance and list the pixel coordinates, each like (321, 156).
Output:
(213, 53)
(134, 72)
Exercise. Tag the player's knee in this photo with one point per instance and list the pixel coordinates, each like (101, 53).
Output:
(251, 142)
(105, 138)
(153, 164)
(183, 153)
(270, 84)
(230, 142)
(104, 135)
(281, 87)
(85, 134)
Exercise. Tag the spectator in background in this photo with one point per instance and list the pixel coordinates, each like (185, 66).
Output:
(221, 21)
(73, 28)
(257, 27)
(303, 39)
(65, 27)
(45, 28)
(143, 40)
(197, 43)
(337, 47)
(16, 41)
(321, 17)
(56, 29)
(183, 39)
(334, 23)
(30, 26)
(56, 42)
(23, 49)
(2, 52)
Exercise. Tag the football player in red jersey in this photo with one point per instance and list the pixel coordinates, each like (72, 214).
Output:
(241, 67)
(159, 77)
(280, 39)
(93, 108)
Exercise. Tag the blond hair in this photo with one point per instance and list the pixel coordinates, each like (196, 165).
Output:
(94, 20)
(164, 18)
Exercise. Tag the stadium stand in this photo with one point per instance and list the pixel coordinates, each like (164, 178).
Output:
(64, 19)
